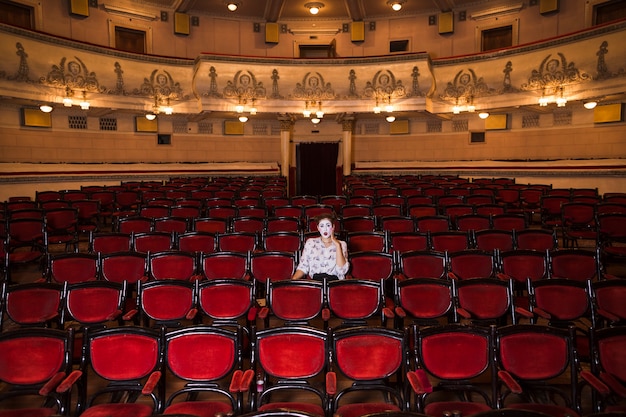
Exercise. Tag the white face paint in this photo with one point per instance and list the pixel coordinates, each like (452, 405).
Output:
(325, 227)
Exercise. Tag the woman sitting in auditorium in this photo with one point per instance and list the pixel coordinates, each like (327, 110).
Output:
(324, 256)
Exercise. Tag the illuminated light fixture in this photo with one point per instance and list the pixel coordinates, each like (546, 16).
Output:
(376, 108)
(396, 5)
(232, 6)
(67, 100)
(543, 101)
(167, 109)
(319, 113)
(45, 108)
(253, 109)
(456, 109)
(315, 120)
(390, 118)
(84, 104)
(243, 118)
(590, 104)
(314, 7)
(239, 108)
(483, 115)
(151, 116)
(306, 112)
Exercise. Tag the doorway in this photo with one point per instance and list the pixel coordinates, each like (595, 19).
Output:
(316, 165)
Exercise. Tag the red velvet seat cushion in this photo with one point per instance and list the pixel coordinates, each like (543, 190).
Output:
(361, 409)
(199, 408)
(118, 410)
(464, 407)
(28, 412)
(550, 409)
(310, 408)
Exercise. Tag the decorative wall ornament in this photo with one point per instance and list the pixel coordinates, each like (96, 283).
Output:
(602, 67)
(384, 85)
(275, 78)
(160, 84)
(244, 85)
(465, 87)
(213, 84)
(74, 75)
(554, 73)
(314, 88)
(415, 85)
(23, 70)
(119, 80)
(352, 93)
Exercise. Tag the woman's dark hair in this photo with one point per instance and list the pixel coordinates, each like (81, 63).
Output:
(329, 216)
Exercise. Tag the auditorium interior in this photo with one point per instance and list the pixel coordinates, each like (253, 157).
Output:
(163, 163)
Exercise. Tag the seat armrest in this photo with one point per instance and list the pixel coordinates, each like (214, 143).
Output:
(542, 313)
(191, 314)
(264, 312)
(510, 382)
(130, 315)
(246, 380)
(52, 384)
(464, 313)
(613, 384)
(235, 381)
(400, 312)
(595, 382)
(419, 382)
(151, 383)
(523, 312)
(69, 381)
(331, 383)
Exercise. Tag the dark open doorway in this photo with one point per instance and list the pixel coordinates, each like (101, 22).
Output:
(316, 168)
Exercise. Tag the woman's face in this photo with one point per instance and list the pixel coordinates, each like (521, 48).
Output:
(325, 227)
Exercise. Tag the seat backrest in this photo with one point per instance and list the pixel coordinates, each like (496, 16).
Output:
(243, 242)
(534, 354)
(94, 302)
(494, 239)
(196, 242)
(536, 239)
(451, 241)
(123, 266)
(371, 265)
(355, 300)
(223, 264)
(471, 264)
(165, 302)
(408, 241)
(433, 224)
(485, 300)
(394, 224)
(31, 304)
(211, 224)
(560, 300)
(366, 241)
(225, 300)
(171, 224)
(295, 301)
(425, 300)
(608, 301)
(274, 265)
(72, 267)
(109, 242)
(133, 224)
(575, 264)
(523, 264)
(116, 356)
(172, 264)
(29, 358)
(422, 264)
(283, 241)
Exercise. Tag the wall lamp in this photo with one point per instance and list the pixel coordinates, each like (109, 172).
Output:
(232, 5)
(396, 5)
(590, 104)
(314, 7)
(46, 108)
